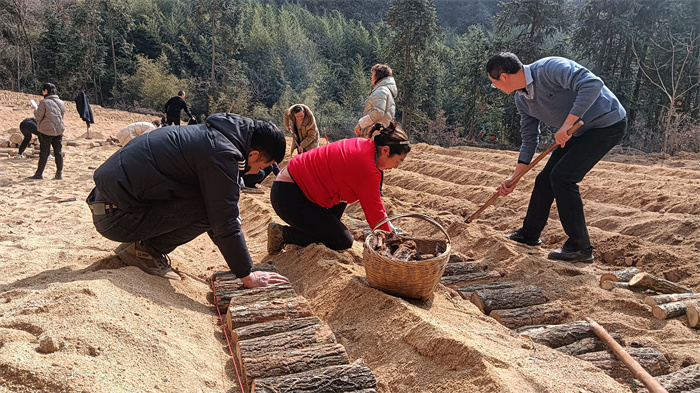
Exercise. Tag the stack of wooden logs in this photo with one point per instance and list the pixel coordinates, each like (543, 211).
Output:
(280, 346)
(673, 300)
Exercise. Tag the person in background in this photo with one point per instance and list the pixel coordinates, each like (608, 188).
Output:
(165, 188)
(173, 108)
(311, 193)
(379, 106)
(28, 128)
(135, 129)
(300, 121)
(49, 121)
(558, 92)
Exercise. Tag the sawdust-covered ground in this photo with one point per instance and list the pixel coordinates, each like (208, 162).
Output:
(111, 328)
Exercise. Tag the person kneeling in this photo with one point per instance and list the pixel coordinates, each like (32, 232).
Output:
(311, 193)
(169, 186)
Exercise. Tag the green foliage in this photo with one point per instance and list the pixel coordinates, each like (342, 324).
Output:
(152, 85)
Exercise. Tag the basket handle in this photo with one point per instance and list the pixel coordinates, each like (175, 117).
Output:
(419, 215)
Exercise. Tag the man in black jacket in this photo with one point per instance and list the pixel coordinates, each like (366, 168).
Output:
(169, 186)
(173, 108)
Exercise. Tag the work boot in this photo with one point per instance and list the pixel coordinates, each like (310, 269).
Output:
(134, 254)
(518, 236)
(37, 176)
(275, 238)
(59, 176)
(565, 254)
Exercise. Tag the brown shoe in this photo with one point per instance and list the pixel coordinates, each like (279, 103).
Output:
(275, 238)
(134, 254)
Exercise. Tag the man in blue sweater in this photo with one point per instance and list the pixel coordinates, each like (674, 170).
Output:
(559, 92)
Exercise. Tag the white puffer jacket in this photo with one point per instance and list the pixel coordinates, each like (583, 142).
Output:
(133, 130)
(379, 107)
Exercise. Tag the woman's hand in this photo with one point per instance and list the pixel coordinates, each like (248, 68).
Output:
(261, 279)
(358, 130)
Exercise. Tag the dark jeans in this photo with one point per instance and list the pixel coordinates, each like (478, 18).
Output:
(46, 142)
(162, 227)
(559, 180)
(172, 120)
(27, 138)
(308, 222)
(257, 178)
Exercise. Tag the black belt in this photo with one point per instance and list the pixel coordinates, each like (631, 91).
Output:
(101, 208)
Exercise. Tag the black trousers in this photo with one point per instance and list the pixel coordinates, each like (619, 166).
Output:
(308, 222)
(162, 227)
(27, 138)
(46, 142)
(172, 120)
(559, 180)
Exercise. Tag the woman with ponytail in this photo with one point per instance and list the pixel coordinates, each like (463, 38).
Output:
(311, 193)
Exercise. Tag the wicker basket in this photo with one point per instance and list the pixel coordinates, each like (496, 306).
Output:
(413, 279)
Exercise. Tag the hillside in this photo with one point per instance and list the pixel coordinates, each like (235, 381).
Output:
(116, 329)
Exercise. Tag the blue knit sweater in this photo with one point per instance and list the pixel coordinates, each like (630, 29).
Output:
(557, 87)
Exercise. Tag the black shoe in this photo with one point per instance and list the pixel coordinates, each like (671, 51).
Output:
(35, 177)
(565, 254)
(517, 236)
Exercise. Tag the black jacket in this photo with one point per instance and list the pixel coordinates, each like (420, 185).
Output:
(83, 107)
(174, 106)
(187, 162)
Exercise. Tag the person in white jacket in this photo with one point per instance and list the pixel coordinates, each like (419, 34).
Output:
(379, 107)
(135, 129)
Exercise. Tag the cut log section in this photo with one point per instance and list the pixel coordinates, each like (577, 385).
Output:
(253, 295)
(247, 314)
(470, 278)
(555, 336)
(588, 344)
(648, 281)
(272, 327)
(300, 338)
(466, 291)
(669, 310)
(454, 268)
(502, 299)
(16, 138)
(693, 313)
(353, 377)
(686, 380)
(547, 313)
(651, 359)
(623, 275)
(609, 285)
(668, 298)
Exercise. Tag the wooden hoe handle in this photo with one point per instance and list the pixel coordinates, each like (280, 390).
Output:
(534, 162)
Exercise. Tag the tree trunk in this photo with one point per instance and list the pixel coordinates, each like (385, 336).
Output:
(353, 377)
(470, 278)
(693, 313)
(455, 268)
(646, 280)
(248, 314)
(254, 295)
(284, 341)
(668, 298)
(272, 327)
(686, 380)
(502, 299)
(114, 55)
(669, 310)
(555, 336)
(588, 344)
(651, 359)
(547, 313)
(466, 291)
(623, 275)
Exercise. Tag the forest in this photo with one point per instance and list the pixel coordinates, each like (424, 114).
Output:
(257, 58)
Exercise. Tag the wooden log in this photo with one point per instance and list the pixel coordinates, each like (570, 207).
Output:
(648, 281)
(623, 275)
(272, 327)
(467, 290)
(355, 377)
(684, 380)
(470, 278)
(254, 295)
(501, 299)
(294, 339)
(671, 297)
(555, 336)
(693, 313)
(650, 359)
(629, 261)
(247, 314)
(669, 310)
(632, 365)
(278, 363)
(16, 138)
(588, 344)
(609, 285)
(455, 268)
(547, 313)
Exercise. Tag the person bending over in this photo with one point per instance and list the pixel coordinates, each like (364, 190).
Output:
(169, 186)
(300, 121)
(28, 128)
(311, 193)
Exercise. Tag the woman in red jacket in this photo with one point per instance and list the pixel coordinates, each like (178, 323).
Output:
(311, 193)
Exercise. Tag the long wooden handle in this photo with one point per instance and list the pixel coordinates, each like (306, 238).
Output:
(534, 162)
(639, 372)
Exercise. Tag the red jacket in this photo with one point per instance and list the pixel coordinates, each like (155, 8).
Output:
(341, 171)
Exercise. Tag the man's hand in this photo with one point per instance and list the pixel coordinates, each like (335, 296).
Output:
(562, 136)
(503, 189)
(358, 130)
(261, 279)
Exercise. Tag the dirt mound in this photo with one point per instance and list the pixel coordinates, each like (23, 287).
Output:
(73, 318)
